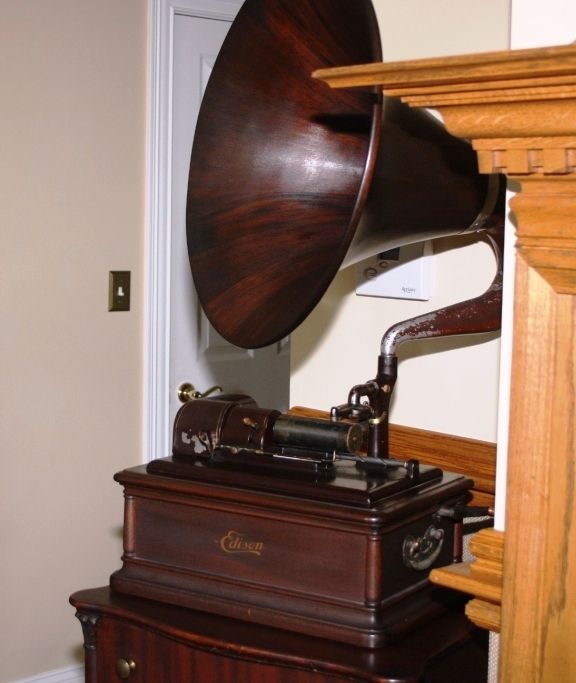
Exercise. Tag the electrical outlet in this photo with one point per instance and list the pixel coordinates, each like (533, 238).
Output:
(119, 290)
(402, 273)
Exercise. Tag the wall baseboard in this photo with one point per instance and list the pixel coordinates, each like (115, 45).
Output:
(72, 674)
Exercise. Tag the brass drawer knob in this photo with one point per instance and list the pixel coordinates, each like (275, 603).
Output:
(124, 667)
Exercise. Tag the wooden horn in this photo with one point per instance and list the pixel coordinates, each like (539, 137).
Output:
(290, 179)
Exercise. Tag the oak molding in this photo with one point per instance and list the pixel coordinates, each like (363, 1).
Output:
(481, 578)
(518, 108)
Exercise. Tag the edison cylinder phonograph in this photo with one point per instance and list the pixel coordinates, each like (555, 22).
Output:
(302, 522)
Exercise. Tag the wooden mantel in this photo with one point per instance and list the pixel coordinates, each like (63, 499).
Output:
(519, 110)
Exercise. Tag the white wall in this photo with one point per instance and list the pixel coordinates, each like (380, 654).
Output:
(447, 386)
(539, 24)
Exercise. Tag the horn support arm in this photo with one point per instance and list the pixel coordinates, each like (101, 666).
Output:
(478, 315)
(474, 316)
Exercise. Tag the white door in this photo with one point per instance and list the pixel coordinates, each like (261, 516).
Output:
(197, 352)
(188, 349)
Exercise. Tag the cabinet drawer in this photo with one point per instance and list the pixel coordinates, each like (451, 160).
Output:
(145, 656)
(169, 644)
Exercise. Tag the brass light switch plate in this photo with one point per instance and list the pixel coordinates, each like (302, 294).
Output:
(119, 290)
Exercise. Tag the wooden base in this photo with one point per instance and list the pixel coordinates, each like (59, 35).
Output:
(167, 643)
(331, 569)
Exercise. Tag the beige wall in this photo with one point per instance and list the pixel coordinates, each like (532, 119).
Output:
(448, 386)
(72, 149)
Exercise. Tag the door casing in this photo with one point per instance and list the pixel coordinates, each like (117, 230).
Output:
(162, 15)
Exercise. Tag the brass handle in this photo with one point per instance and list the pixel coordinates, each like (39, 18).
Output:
(124, 667)
(187, 392)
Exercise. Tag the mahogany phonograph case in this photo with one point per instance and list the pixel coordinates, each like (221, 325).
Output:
(298, 522)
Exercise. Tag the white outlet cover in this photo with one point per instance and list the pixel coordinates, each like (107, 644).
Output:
(405, 274)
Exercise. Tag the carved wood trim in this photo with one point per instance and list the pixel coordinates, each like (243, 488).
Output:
(482, 578)
(502, 70)
(546, 210)
(90, 622)
(519, 110)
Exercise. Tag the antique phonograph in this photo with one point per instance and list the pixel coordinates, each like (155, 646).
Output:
(303, 523)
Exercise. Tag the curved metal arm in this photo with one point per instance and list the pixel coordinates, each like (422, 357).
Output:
(473, 316)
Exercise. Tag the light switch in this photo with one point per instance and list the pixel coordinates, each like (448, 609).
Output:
(119, 290)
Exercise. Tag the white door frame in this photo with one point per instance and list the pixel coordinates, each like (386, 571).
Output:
(156, 423)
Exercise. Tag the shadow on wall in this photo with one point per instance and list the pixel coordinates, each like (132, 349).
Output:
(321, 323)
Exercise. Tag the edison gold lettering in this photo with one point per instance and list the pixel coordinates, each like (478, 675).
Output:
(234, 542)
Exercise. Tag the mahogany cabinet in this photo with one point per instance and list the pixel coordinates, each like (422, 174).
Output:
(144, 641)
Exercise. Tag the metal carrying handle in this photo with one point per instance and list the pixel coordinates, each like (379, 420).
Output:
(186, 392)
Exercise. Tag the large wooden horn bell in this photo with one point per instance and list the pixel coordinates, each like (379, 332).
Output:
(290, 179)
